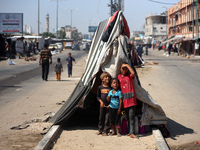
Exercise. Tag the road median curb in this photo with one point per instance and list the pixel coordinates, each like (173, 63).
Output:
(160, 141)
(47, 139)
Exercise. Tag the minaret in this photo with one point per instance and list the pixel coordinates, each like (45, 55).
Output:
(47, 23)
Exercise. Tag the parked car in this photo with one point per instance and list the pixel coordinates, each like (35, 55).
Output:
(60, 46)
(53, 47)
(68, 45)
(75, 47)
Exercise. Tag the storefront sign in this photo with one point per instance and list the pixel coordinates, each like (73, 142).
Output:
(11, 23)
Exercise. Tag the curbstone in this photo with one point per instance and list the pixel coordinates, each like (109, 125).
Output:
(46, 141)
(160, 141)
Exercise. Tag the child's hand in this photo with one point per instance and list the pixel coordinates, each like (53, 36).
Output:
(119, 112)
(102, 105)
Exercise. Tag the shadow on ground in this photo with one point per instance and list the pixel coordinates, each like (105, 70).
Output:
(177, 129)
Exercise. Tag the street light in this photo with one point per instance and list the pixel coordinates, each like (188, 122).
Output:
(71, 16)
(166, 20)
(57, 17)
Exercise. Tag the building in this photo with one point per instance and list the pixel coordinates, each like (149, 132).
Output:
(155, 26)
(182, 21)
(47, 23)
(27, 29)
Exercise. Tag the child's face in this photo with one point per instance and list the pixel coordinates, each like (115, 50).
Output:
(69, 55)
(115, 84)
(123, 70)
(106, 79)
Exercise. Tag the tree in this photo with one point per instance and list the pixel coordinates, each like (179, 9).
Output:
(48, 34)
(62, 34)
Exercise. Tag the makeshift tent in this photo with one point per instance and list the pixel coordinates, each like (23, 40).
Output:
(107, 56)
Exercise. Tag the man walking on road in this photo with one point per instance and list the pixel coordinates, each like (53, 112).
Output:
(45, 56)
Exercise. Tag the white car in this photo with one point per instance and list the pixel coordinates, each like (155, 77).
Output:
(60, 46)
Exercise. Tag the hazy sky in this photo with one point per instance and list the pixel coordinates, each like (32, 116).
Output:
(89, 11)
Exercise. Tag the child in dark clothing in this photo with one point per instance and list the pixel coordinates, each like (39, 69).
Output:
(102, 94)
(115, 99)
(58, 68)
(70, 64)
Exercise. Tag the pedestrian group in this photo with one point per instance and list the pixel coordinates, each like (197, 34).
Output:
(46, 59)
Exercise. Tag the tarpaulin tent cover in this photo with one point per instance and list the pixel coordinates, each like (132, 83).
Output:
(107, 56)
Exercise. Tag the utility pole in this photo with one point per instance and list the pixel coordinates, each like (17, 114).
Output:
(193, 19)
(38, 17)
(115, 6)
(197, 20)
(57, 17)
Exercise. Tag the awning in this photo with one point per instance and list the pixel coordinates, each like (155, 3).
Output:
(172, 39)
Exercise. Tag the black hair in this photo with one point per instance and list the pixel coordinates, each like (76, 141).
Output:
(114, 79)
(45, 45)
(58, 59)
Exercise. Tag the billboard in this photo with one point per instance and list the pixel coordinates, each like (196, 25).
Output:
(92, 28)
(11, 23)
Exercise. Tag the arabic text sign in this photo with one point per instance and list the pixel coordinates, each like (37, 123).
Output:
(11, 22)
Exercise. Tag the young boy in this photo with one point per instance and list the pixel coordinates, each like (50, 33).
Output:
(102, 94)
(58, 68)
(129, 97)
(69, 64)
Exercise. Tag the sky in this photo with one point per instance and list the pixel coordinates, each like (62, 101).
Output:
(84, 12)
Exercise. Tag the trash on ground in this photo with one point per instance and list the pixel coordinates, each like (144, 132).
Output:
(20, 127)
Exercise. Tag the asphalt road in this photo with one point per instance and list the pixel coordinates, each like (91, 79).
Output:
(10, 76)
(176, 87)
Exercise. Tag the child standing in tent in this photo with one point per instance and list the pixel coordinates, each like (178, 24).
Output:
(102, 94)
(69, 64)
(115, 99)
(58, 68)
(129, 98)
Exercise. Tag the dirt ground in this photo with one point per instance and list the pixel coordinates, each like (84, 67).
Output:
(32, 106)
(30, 103)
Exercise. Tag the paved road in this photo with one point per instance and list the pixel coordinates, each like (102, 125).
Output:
(13, 75)
(177, 90)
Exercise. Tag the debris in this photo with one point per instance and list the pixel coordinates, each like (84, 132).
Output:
(61, 103)
(149, 84)
(151, 63)
(197, 142)
(194, 133)
(20, 89)
(20, 127)
(33, 58)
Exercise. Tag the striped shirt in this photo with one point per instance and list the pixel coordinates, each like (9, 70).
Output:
(45, 54)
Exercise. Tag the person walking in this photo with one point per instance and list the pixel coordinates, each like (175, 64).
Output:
(45, 56)
(139, 51)
(169, 48)
(69, 64)
(58, 68)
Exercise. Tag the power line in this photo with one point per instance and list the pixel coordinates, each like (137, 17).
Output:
(162, 2)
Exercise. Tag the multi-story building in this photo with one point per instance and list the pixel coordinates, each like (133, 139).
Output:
(27, 29)
(155, 26)
(182, 20)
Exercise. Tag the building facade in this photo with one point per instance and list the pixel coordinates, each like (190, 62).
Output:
(155, 26)
(182, 20)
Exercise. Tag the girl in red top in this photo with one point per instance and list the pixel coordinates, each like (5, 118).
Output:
(129, 98)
